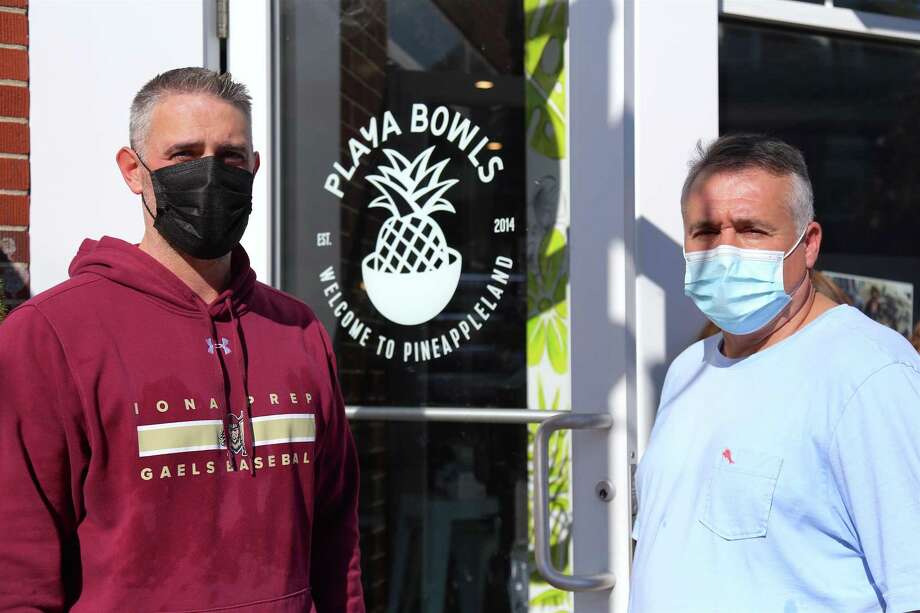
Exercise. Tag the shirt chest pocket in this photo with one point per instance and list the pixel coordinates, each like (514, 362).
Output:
(739, 495)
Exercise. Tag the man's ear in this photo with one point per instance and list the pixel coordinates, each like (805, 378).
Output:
(812, 242)
(131, 170)
(257, 161)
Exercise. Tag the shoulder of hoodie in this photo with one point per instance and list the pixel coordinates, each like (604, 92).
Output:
(314, 330)
(82, 286)
(63, 294)
(40, 310)
(290, 305)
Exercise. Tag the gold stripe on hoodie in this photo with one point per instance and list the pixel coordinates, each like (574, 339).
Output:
(203, 435)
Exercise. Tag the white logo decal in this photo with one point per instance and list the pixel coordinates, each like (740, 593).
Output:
(411, 257)
(412, 274)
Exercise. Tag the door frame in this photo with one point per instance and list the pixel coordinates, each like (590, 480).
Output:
(644, 92)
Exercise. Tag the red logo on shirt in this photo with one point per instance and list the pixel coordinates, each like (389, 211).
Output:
(727, 454)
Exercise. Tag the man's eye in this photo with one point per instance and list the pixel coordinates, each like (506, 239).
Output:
(180, 154)
(234, 159)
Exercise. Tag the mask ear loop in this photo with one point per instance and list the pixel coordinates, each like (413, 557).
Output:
(788, 253)
(149, 172)
(796, 245)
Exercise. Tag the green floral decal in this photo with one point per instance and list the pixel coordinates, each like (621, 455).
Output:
(546, 28)
(559, 480)
(547, 305)
(560, 509)
(548, 359)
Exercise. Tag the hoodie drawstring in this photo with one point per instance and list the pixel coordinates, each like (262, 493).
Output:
(242, 358)
(245, 419)
(227, 418)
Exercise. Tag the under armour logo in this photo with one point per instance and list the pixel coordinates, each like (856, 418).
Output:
(727, 454)
(224, 345)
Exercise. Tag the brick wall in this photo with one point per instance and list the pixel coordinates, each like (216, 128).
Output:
(14, 150)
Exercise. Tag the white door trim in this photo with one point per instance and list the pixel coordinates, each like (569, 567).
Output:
(249, 60)
(824, 18)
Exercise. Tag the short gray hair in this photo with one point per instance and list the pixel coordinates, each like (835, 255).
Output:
(191, 80)
(735, 152)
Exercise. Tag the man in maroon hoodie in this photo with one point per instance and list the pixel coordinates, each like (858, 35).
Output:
(172, 433)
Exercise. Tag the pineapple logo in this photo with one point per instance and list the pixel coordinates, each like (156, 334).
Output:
(412, 273)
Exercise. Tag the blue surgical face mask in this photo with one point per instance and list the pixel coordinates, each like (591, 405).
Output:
(739, 290)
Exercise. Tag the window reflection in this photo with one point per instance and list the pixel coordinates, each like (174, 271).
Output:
(443, 517)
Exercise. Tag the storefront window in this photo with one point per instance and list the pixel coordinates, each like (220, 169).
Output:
(404, 209)
(853, 107)
(423, 216)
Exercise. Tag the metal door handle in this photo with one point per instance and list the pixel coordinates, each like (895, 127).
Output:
(570, 583)
(450, 414)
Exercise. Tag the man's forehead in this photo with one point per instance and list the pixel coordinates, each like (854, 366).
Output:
(193, 116)
(743, 194)
(191, 101)
(734, 183)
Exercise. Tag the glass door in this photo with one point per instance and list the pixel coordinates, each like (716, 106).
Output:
(423, 181)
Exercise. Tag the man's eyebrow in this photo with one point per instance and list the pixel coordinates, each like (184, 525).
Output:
(192, 145)
(233, 148)
(749, 222)
(196, 146)
(704, 224)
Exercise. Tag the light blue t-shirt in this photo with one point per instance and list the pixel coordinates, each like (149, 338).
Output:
(788, 481)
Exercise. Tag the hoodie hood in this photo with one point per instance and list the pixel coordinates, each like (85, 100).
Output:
(127, 265)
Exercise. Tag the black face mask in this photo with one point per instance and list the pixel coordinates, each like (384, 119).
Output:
(203, 206)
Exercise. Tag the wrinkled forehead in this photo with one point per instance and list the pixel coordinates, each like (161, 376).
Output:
(199, 116)
(724, 197)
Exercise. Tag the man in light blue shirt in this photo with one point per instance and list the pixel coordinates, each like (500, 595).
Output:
(783, 471)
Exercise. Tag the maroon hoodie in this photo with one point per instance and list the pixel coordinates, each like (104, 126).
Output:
(132, 477)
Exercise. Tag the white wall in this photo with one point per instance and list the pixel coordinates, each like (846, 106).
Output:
(87, 60)
(676, 103)
(249, 60)
(644, 90)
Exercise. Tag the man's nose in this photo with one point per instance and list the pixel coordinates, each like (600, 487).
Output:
(727, 236)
